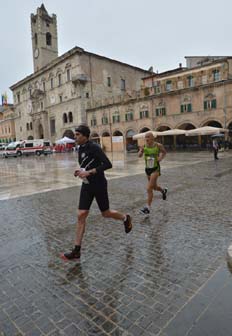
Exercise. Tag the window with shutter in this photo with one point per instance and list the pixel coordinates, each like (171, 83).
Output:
(214, 103)
(189, 107)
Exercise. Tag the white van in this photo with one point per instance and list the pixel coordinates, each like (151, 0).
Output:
(2, 148)
(11, 149)
(36, 146)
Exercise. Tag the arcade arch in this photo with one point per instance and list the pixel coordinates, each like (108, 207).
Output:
(69, 134)
(95, 137)
(213, 123)
(144, 129)
(182, 141)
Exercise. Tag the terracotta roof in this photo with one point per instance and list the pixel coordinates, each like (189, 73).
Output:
(65, 56)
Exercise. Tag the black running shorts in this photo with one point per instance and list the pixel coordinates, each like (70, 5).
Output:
(149, 171)
(91, 191)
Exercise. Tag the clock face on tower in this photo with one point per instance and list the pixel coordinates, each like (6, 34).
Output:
(36, 53)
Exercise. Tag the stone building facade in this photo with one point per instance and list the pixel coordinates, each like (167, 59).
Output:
(7, 125)
(53, 100)
(183, 98)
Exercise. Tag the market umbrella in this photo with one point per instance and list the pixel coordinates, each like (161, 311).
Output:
(206, 130)
(64, 140)
(172, 132)
(142, 135)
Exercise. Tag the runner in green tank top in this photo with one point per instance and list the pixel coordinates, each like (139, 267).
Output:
(153, 153)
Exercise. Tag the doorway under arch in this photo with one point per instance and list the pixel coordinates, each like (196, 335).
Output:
(105, 134)
(117, 133)
(167, 140)
(163, 128)
(95, 138)
(144, 129)
(106, 141)
(186, 142)
(41, 132)
(69, 134)
(131, 145)
(213, 123)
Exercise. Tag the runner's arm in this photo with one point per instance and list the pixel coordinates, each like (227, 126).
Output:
(162, 153)
(140, 153)
(105, 162)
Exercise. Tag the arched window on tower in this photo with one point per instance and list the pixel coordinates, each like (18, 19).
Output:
(48, 39)
(70, 117)
(65, 119)
(36, 39)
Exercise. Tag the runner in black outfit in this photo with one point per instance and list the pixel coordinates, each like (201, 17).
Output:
(93, 162)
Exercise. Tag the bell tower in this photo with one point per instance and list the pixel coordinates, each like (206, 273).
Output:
(44, 37)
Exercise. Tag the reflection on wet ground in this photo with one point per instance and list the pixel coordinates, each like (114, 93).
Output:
(26, 176)
(167, 277)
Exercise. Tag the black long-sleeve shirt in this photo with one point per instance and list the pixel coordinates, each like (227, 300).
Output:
(90, 155)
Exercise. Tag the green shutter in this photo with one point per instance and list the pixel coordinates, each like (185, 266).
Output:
(181, 108)
(189, 107)
(205, 105)
(214, 103)
(141, 114)
(126, 117)
(146, 113)
(164, 111)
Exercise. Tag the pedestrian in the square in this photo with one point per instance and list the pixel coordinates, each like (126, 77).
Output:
(154, 153)
(93, 162)
(215, 149)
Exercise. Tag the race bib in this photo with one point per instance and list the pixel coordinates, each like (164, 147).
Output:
(150, 162)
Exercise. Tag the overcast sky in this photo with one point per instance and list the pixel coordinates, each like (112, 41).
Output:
(141, 33)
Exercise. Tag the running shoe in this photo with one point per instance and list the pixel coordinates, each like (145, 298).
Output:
(127, 224)
(164, 193)
(144, 211)
(74, 255)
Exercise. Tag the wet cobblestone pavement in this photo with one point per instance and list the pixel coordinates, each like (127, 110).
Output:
(136, 284)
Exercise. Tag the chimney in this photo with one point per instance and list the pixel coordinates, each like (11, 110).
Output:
(180, 65)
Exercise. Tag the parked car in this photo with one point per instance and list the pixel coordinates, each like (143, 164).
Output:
(132, 147)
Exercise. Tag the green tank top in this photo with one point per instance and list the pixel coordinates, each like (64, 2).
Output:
(151, 155)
